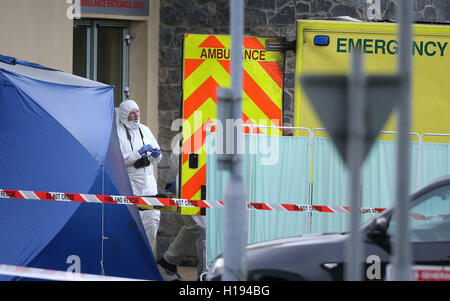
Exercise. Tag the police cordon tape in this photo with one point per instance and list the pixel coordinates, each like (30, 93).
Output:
(170, 202)
(36, 273)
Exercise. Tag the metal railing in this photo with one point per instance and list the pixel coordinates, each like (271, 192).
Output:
(311, 134)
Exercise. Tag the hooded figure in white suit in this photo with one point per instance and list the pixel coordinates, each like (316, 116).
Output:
(140, 152)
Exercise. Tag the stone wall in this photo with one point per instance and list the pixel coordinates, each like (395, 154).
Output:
(262, 18)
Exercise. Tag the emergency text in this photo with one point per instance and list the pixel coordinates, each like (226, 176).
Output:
(390, 47)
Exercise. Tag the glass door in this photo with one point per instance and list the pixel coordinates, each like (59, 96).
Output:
(101, 53)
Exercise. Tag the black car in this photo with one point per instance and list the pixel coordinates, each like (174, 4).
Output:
(322, 256)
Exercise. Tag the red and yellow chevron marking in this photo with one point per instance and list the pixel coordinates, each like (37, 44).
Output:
(207, 66)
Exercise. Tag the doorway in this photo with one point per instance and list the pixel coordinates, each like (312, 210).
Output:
(101, 53)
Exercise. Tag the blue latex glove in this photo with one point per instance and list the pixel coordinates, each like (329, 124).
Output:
(156, 153)
(146, 148)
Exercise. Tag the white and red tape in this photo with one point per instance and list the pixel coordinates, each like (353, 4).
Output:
(27, 272)
(170, 202)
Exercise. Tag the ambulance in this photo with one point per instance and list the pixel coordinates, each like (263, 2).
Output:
(321, 47)
(325, 47)
(206, 67)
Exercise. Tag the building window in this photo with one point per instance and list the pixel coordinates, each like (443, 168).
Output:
(101, 53)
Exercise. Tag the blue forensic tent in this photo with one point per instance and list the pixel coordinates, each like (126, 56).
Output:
(58, 134)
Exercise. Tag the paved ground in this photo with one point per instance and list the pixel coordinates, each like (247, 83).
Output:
(186, 273)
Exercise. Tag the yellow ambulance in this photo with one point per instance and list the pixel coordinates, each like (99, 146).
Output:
(206, 67)
(325, 47)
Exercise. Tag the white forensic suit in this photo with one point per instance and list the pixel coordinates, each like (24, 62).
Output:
(142, 179)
